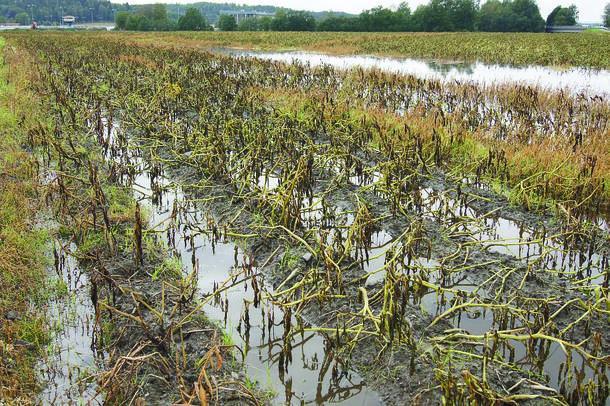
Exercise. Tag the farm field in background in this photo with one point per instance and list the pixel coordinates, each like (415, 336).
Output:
(586, 49)
(260, 231)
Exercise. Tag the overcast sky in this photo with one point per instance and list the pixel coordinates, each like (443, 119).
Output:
(590, 10)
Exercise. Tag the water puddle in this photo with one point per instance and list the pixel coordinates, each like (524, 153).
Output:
(73, 359)
(522, 241)
(296, 366)
(268, 181)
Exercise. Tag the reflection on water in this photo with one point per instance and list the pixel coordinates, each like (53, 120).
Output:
(496, 235)
(73, 360)
(544, 250)
(297, 366)
(577, 80)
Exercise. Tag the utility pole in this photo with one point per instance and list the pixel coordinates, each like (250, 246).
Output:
(91, 9)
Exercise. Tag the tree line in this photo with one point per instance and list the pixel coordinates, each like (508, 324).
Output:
(436, 16)
(154, 17)
(446, 15)
(51, 11)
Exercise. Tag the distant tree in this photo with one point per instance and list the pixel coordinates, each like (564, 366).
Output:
(550, 19)
(528, 18)
(265, 23)
(144, 24)
(249, 24)
(563, 16)
(280, 21)
(152, 17)
(606, 16)
(255, 24)
(293, 21)
(301, 21)
(494, 16)
(120, 20)
(447, 15)
(419, 16)
(22, 18)
(331, 23)
(227, 22)
(433, 17)
(376, 19)
(567, 16)
(133, 22)
(158, 13)
(335, 23)
(510, 16)
(463, 14)
(192, 20)
(403, 17)
(382, 19)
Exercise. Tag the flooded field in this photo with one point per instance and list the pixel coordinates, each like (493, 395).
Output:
(292, 363)
(590, 82)
(258, 231)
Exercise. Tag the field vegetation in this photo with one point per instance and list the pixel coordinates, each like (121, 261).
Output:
(444, 239)
(22, 242)
(436, 233)
(586, 50)
(63, 199)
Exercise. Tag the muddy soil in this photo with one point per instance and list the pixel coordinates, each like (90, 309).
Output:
(405, 373)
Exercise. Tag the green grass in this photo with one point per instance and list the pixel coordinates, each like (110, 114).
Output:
(169, 269)
(22, 248)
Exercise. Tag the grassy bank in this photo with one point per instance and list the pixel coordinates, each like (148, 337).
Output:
(587, 49)
(22, 270)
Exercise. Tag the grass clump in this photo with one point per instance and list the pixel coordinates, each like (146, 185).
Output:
(22, 265)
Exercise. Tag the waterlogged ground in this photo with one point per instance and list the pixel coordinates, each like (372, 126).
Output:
(504, 236)
(299, 368)
(591, 82)
(295, 366)
(344, 270)
(74, 359)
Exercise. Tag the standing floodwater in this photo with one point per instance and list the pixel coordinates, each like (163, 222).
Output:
(591, 82)
(293, 365)
(321, 232)
(70, 369)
